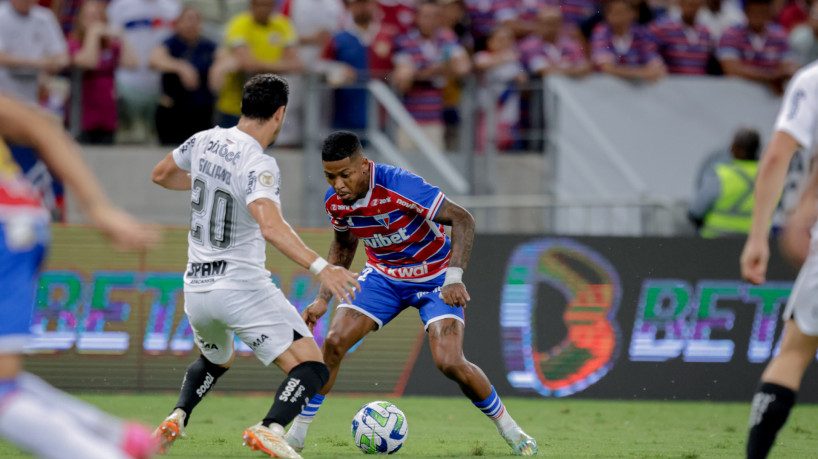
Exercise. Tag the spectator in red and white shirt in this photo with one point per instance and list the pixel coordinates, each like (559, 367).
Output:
(398, 13)
(621, 47)
(550, 51)
(684, 45)
(758, 51)
(424, 57)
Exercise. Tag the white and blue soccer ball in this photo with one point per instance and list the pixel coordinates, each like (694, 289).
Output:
(379, 428)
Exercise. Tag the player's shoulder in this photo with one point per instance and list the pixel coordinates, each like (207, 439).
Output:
(329, 195)
(806, 77)
(397, 179)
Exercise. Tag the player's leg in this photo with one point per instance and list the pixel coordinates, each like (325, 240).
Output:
(272, 327)
(781, 379)
(445, 326)
(215, 341)
(132, 438)
(375, 305)
(31, 417)
(777, 391)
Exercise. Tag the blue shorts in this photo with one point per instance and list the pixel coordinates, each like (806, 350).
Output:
(22, 250)
(382, 299)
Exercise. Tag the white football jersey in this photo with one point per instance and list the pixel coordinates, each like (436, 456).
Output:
(799, 113)
(228, 171)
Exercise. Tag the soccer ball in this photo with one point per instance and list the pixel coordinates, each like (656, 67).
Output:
(379, 428)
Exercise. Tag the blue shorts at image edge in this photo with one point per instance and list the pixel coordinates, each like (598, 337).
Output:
(18, 270)
(383, 298)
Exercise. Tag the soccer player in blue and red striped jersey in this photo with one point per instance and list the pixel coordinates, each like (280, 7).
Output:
(623, 48)
(411, 262)
(758, 51)
(684, 45)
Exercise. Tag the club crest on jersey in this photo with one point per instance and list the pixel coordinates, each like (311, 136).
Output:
(383, 219)
(267, 179)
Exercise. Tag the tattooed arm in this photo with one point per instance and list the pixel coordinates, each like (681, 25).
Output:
(454, 291)
(341, 253)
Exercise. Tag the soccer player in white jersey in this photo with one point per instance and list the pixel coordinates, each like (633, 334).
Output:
(235, 207)
(796, 127)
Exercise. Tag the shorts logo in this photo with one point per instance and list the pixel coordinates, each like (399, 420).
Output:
(420, 295)
(259, 341)
(209, 347)
(267, 179)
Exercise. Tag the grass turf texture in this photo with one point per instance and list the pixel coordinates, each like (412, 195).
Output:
(452, 427)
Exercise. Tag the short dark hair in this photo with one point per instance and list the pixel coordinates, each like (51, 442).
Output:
(746, 143)
(340, 145)
(263, 95)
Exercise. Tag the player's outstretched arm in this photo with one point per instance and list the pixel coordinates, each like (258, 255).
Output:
(772, 171)
(341, 253)
(169, 175)
(22, 124)
(281, 235)
(454, 291)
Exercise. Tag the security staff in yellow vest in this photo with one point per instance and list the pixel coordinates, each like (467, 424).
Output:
(723, 205)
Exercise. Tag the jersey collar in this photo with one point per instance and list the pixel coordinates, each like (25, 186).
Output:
(236, 131)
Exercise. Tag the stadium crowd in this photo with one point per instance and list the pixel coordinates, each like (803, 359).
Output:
(148, 66)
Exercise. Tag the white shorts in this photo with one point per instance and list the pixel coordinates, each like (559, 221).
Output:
(802, 306)
(264, 319)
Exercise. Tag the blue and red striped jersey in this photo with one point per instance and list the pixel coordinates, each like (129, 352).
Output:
(642, 48)
(684, 49)
(18, 198)
(394, 221)
(764, 52)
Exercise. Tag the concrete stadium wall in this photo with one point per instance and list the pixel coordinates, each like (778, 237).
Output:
(125, 174)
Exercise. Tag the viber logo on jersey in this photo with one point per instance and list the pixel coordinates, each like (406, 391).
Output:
(380, 241)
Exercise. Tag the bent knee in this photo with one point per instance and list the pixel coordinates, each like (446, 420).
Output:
(453, 368)
(334, 349)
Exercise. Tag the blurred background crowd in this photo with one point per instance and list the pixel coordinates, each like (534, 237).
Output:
(151, 72)
(154, 70)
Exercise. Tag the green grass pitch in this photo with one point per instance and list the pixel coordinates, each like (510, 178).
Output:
(452, 427)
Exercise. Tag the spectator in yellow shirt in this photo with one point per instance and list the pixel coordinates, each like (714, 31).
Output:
(259, 41)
